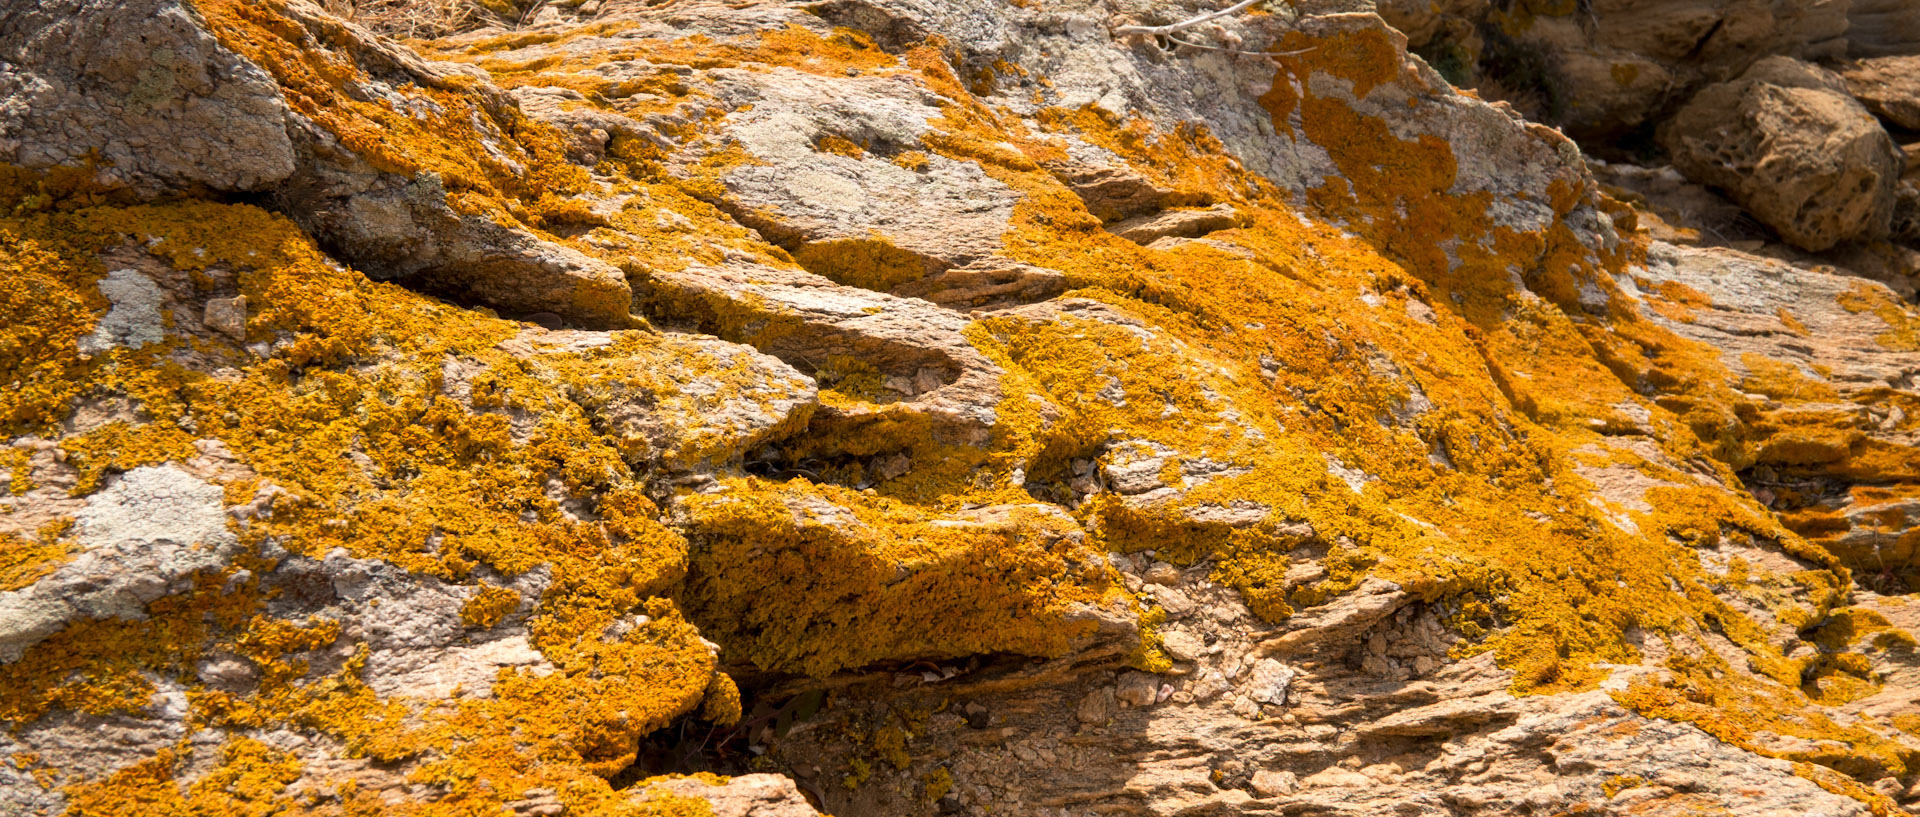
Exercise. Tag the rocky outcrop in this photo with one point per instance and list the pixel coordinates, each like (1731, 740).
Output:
(1790, 145)
(1604, 68)
(150, 98)
(918, 408)
(1675, 84)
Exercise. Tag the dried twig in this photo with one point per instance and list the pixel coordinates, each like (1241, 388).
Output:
(1236, 8)
(1204, 46)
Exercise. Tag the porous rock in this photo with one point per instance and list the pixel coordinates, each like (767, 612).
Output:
(1790, 145)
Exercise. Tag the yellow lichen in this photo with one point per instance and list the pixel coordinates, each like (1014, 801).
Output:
(807, 578)
(487, 607)
(24, 561)
(936, 784)
(1385, 386)
(722, 704)
(872, 263)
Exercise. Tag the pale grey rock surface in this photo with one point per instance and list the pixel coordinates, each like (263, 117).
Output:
(143, 87)
(145, 536)
(752, 795)
(134, 318)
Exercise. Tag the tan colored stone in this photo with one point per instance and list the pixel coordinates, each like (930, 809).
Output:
(1788, 144)
(1888, 86)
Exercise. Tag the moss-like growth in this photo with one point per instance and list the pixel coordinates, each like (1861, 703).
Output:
(798, 577)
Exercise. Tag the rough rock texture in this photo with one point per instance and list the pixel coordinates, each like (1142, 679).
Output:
(148, 99)
(1603, 68)
(1888, 86)
(1882, 28)
(1818, 354)
(754, 795)
(1615, 74)
(146, 93)
(139, 540)
(1790, 145)
(921, 407)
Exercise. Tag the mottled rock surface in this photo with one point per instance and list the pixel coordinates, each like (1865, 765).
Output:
(915, 407)
(1790, 145)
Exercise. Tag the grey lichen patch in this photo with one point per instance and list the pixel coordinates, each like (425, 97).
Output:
(143, 538)
(134, 320)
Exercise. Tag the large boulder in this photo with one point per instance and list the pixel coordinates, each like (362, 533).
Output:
(1789, 144)
(146, 96)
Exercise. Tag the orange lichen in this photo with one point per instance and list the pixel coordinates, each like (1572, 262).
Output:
(487, 607)
(24, 561)
(353, 417)
(1783, 381)
(806, 578)
(1677, 301)
(249, 781)
(1903, 328)
(839, 146)
(1409, 395)
(450, 138)
(868, 263)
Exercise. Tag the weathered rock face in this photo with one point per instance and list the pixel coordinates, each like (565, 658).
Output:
(1603, 68)
(144, 92)
(1888, 86)
(1032, 418)
(1790, 145)
(1882, 28)
(1682, 84)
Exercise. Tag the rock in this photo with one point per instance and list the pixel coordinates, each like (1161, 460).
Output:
(1114, 191)
(133, 319)
(144, 87)
(1162, 573)
(1443, 718)
(142, 538)
(1176, 223)
(860, 220)
(1341, 619)
(1270, 783)
(1335, 777)
(1603, 69)
(1138, 689)
(1789, 145)
(1208, 685)
(1830, 366)
(1882, 28)
(228, 316)
(751, 795)
(1177, 604)
(819, 319)
(1183, 646)
(713, 403)
(891, 466)
(174, 101)
(1268, 682)
(990, 283)
(1888, 86)
(1097, 708)
(533, 533)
